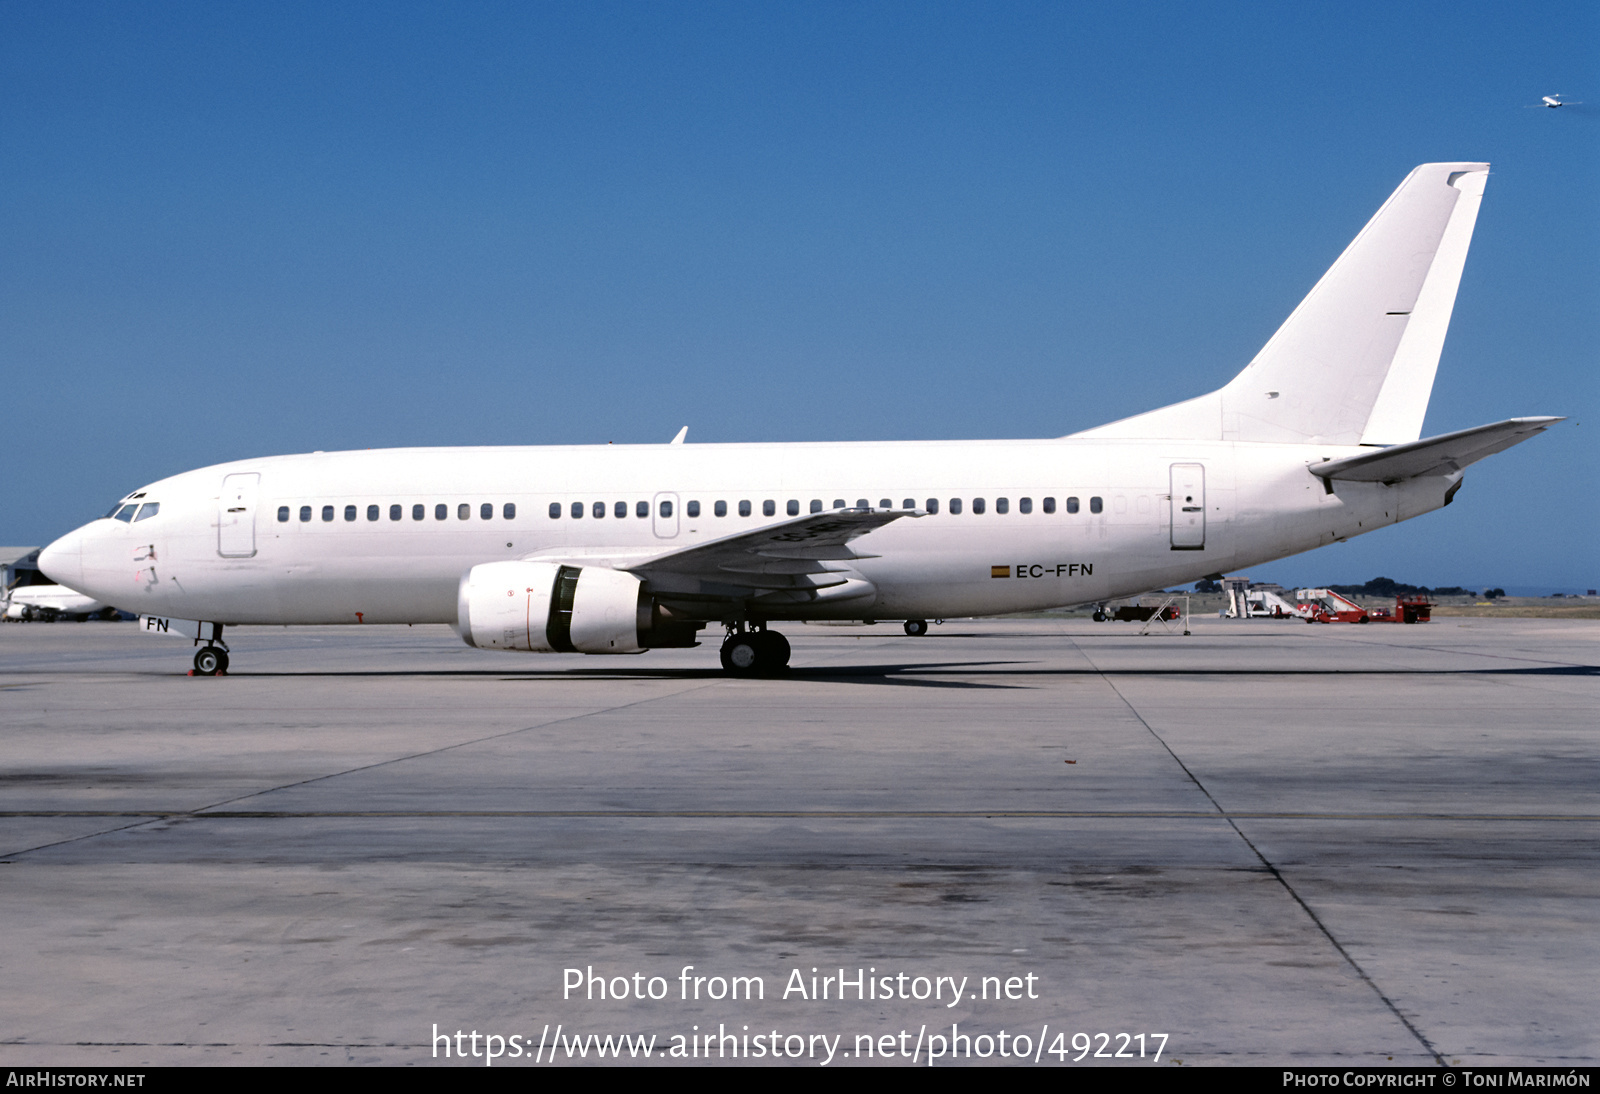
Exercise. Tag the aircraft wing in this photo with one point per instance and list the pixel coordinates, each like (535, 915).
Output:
(803, 555)
(1441, 455)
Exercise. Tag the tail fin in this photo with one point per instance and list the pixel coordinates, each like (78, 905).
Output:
(1354, 363)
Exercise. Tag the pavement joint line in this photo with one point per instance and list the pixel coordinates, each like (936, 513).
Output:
(1276, 873)
(364, 767)
(843, 814)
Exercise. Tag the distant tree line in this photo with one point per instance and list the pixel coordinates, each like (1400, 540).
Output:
(1388, 586)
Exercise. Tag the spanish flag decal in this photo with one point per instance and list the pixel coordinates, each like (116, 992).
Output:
(999, 571)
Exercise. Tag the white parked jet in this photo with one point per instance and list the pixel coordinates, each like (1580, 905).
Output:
(50, 602)
(616, 549)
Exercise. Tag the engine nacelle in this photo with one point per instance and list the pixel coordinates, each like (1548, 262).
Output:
(546, 607)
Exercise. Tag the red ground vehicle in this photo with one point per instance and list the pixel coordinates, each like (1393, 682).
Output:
(1327, 606)
(1415, 608)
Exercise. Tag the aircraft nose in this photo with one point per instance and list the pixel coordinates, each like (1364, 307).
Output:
(62, 561)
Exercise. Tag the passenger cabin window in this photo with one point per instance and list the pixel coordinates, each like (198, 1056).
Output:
(418, 511)
(666, 508)
(349, 512)
(1049, 505)
(599, 510)
(978, 506)
(394, 512)
(909, 503)
(464, 511)
(1002, 505)
(577, 510)
(793, 508)
(486, 511)
(744, 509)
(769, 508)
(555, 510)
(838, 503)
(1096, 505)
(1072, 505)
(619, 510)
(372, 512)
(305, 513)
(933, 505)
(441, 511)
(509, 510)
(641, 509)
(720, 508)
(693, 509)
(955, 507)
(283, 514)
(816, 505)
(1024, 505)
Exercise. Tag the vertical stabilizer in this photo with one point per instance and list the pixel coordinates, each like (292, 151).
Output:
(1354, 363)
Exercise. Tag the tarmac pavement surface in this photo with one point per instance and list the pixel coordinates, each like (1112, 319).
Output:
(1264, 843)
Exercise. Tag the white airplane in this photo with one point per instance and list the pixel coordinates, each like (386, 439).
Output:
(621, 548)
(1553, 101)
(26, 603)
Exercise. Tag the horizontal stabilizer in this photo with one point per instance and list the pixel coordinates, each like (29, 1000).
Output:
(1441, 455)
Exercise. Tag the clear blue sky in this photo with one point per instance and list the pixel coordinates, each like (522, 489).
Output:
(233, 230)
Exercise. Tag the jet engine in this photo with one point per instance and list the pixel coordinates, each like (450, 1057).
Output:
(547, 607)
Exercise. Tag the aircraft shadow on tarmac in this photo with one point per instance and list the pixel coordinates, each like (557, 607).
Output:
(928, 674)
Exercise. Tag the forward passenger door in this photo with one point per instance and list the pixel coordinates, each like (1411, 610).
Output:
(236, 516)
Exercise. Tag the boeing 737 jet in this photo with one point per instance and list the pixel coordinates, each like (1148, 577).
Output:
(619, 549)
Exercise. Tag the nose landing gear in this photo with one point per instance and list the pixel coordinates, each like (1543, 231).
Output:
(211, 659)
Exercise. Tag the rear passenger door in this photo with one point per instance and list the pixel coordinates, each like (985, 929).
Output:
(1188, 507)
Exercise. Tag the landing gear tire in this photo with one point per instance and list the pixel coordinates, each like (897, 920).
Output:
(755, 652)
(916, 628)
(741, 654)
(775, 652)
(1099, 615)
(210, 661)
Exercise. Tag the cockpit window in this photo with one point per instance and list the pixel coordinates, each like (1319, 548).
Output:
(124, 512)
(148, 510)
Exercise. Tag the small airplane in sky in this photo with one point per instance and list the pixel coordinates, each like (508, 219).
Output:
(1553, 101)
(611, 549)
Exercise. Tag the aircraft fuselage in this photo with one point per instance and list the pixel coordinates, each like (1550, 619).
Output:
(385, 536)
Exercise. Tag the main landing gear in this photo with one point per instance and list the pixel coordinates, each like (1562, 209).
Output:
(750, 652)
(916, 628)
